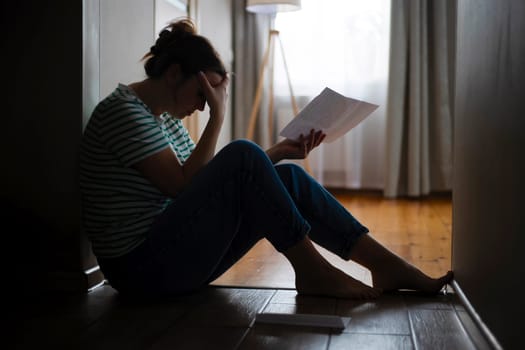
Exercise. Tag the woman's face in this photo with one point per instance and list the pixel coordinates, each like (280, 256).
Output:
(188, 95)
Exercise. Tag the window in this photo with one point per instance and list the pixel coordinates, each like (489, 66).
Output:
(342, 44)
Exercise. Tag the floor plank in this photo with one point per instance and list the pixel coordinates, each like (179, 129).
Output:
(291, 297)
(228, 307)
(54, 321)
(288, 337)
(200, 338)
(385, 315)
(131, 325)
(437, 302)
(438, 329)
(370, 342)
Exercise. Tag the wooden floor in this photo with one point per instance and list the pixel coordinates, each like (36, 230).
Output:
(221, 317)
(417, 230)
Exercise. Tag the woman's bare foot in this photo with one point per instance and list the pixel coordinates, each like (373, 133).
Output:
(390, 272)
(329, 281)
(409, 277)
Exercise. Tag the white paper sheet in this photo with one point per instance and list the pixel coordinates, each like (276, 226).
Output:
(330, 112)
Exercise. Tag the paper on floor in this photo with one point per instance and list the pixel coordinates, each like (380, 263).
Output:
(314, 320)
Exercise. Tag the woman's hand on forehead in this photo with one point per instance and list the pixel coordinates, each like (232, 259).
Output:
(215, 91)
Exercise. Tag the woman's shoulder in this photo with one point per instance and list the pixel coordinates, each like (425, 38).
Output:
(122, 94)
(121, 101)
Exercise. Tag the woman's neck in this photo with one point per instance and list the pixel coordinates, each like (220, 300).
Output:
(151, 92)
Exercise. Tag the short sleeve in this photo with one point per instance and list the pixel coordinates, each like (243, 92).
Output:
(132, 133)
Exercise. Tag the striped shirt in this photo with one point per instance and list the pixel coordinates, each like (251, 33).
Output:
(119, 204)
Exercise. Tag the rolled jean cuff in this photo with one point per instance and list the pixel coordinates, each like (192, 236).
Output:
(352, 240)
(285, 243)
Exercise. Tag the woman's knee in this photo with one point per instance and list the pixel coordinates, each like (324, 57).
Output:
(288, 171)
(238, 150)
(241, 146)
(241, 155)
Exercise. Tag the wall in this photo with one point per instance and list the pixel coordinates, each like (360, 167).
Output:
(41, 130)
(126, 34)
(60, 57)
(128, 28)
(214, 21)
(489, 165)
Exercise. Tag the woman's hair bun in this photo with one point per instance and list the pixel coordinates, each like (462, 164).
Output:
(179, 43)
(172, 33)
(181, 28)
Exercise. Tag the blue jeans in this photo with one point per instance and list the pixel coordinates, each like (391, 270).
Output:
(237, 199)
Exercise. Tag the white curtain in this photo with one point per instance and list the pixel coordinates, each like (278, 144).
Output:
(420, 99)
(344, 45)
(250, 35)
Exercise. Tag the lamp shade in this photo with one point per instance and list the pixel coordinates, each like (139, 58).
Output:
(272, 6)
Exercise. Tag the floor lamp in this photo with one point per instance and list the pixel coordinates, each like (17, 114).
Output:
(271, 7)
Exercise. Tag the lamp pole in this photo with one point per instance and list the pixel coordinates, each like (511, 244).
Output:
(268, 62)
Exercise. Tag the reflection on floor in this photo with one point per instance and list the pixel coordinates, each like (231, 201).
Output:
(223, 318)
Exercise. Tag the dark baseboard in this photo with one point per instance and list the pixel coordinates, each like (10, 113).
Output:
(72, 281)
(68, 282)
(482, 327)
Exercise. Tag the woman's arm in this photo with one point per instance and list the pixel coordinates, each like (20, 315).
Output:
(216, 96)
(290, 149)
(164, 170)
